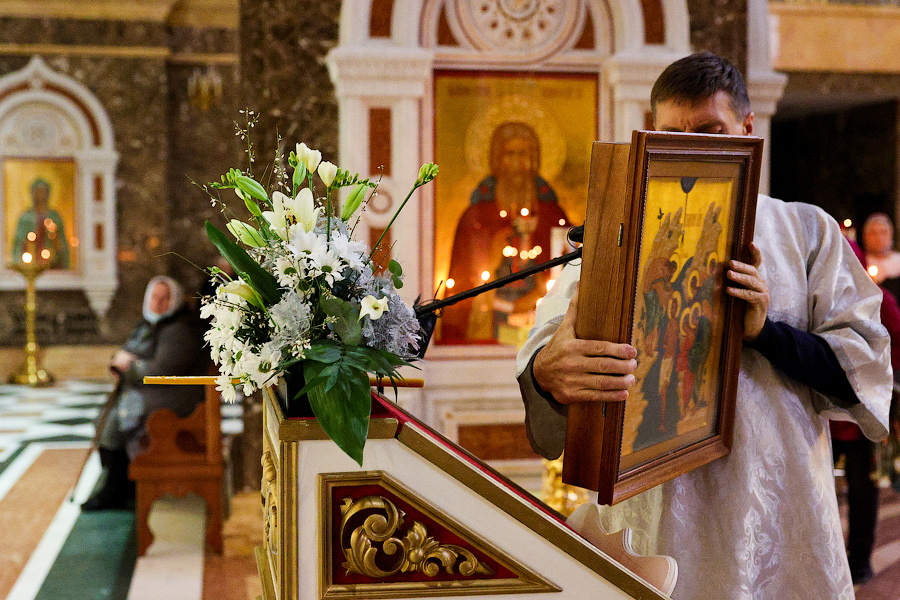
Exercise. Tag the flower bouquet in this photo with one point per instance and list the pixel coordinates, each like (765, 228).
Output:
(305, 301)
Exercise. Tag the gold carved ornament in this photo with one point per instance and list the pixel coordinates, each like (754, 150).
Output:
(418, 552)
(270, 502)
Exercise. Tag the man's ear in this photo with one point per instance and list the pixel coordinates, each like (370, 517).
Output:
(748, 124)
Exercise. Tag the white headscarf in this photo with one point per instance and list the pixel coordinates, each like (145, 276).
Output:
(176, 298)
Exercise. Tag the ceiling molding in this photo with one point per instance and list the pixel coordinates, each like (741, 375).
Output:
(187, 13)
(133, 10)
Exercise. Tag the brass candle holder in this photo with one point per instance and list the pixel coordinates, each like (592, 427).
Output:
(30, 373)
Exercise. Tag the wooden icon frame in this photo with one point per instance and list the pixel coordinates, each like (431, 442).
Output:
(646, 271)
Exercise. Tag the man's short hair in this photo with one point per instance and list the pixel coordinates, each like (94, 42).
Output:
(699, 76)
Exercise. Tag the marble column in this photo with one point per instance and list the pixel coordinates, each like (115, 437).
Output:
(284, 77)
(720, 27)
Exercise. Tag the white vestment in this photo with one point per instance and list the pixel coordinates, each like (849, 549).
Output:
(762, 522)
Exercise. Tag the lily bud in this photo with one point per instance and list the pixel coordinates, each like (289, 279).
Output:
(327, 172)
(353, 201)
(250, 187)
(427, 172)
(245, 233)
(308, 157)
(315, 157)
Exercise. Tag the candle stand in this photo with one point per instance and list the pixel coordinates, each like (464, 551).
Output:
(30, 373)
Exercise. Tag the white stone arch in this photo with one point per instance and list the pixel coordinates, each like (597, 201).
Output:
(47, 115)
(396, 72)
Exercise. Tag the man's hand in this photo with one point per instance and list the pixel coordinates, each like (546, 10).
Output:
(574, 370)
(753, 289)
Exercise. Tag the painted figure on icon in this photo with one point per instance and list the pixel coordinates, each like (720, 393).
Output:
(679, 289)
(45, 225)
(507, 227)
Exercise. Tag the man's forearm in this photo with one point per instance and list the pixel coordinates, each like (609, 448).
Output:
(805, 357)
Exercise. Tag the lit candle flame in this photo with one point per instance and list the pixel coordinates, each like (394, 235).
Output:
(873, 271)
(503, 214)
(848, 223)
(32, 236)
(485, 275)
(550, 284)
(27, 258)
(45, 254)
(524, 212)
(450, 284)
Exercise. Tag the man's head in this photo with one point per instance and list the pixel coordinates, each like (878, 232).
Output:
(515, 150)
(701, 93)
(878, 234)
(40, 193)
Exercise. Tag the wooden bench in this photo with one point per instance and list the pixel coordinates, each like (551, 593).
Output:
(184, 455)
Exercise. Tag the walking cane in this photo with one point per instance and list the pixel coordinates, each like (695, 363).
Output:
(105, 410)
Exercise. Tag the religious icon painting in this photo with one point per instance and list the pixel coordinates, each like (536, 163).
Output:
(514, 151)
(38, 211)
(665, 215)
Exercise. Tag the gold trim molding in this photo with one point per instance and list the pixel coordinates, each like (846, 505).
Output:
(302, 430)
(417, 552)
(133, 10)
(223, 14)
(422, 444)
(220, 14)
(84, 50)
(191, 58)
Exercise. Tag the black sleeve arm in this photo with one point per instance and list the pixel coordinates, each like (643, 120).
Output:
(805, 357)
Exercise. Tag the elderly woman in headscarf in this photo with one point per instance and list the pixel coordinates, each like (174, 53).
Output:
(168, 340)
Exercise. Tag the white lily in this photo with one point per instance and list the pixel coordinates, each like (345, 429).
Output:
(327, 171)
(373, 307)
(278, 218)
(308, 157)
(287, 211)
(304, 208)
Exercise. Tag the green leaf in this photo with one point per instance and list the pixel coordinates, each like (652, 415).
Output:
(344, 414)
(398, 283)
(395, 268)
(262, 282)
(325, 351)
(346, 317)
